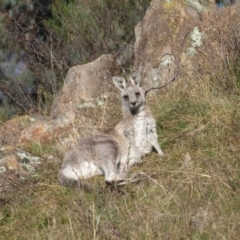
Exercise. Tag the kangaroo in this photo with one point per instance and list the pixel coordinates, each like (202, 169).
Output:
(112, 153)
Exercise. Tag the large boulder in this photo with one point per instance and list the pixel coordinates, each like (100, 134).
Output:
(11, 130)
(84, 84)
(77, 108)
(198, 36)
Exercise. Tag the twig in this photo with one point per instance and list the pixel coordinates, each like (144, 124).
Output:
(15, 100)
(164, 85)
(178, 70)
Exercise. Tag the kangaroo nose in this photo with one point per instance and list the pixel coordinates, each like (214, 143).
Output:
(133, 103)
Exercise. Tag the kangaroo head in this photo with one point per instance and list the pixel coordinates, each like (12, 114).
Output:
(132, 94)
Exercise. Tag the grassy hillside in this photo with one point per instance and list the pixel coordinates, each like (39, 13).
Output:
(192, 193)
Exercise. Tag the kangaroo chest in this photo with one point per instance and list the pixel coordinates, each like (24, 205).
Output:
(144, 126)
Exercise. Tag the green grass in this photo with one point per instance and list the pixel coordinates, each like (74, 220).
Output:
(39, 149)
(192, 193)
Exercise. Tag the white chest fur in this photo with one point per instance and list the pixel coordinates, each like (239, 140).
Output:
(145, 130)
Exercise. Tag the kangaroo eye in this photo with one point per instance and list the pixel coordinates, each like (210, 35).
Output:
(137, 93)
(125, 96)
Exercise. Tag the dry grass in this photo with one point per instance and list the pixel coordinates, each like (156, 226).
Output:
(192, 193)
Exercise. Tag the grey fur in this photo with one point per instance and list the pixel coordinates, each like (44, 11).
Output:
(112, 153)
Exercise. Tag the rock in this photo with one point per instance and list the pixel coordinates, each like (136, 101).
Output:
(2, 169)
(16, 165)
(200, 219)
(11, 130)
(80, 103)
(11, 163)
(45, 132)
(84, 84)
(196, 35)
(17, 159)
(187, 163)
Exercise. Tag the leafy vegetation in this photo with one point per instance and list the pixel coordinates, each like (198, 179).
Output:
(92, 28)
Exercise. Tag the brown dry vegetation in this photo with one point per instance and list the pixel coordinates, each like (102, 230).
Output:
(192, 193)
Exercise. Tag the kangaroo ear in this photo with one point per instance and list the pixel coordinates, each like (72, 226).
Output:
(119, 82)
(136, 78)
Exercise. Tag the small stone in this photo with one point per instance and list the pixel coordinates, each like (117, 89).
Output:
(12, 163)
(187, 163)
(2, 169)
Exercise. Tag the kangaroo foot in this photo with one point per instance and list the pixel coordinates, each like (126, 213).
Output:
(115, 184)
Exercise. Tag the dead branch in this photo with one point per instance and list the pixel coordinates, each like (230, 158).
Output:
(17, 102)
(165, 84)
(177, 72)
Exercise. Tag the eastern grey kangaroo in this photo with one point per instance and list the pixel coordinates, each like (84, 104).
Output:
(112, 153)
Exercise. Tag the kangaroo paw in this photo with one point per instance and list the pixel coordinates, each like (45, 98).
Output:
(113, 186)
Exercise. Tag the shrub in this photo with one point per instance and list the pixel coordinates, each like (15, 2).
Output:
(91, 28)
(50, 40)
